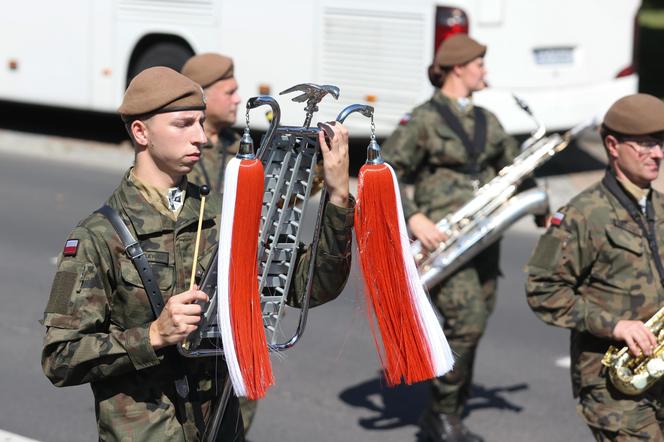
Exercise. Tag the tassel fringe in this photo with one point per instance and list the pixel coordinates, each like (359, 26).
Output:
(414, 347)
(240, 316)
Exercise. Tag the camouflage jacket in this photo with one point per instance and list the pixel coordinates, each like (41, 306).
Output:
(425, 149)
(214, 157)
(592, 270)
(98, 314)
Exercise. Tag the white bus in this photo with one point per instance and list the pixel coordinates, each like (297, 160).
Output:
(567, 59)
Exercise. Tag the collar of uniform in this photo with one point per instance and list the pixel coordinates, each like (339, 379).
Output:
(453, 104)
(145, 218)
(158, 198)
(634, 190)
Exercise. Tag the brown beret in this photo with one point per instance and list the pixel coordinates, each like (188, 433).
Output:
(160, 89)
(458, 49)
(206, 69)
(638, 114)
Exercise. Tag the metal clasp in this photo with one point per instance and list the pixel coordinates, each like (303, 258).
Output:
(134, 250)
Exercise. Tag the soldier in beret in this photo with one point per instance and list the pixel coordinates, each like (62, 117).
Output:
(215, 74)
(110, 325)
(598, 272)
(450, 147)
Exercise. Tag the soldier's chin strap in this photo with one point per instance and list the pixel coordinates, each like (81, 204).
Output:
(611, 183)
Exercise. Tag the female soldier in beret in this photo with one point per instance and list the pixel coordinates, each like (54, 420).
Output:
(102, 327)
(450, 147)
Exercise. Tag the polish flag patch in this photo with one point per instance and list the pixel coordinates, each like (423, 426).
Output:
(557, 218)
(405, 119)
(71, 247)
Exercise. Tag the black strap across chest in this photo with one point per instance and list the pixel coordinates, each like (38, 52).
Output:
(135, 253)
(475, 147)
(649, 232)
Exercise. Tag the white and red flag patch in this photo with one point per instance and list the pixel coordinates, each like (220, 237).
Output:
(405, 119)
(557, 218)
(71, 247)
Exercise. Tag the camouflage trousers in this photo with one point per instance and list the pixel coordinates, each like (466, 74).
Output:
(465, 300)
(248, 411)
(613, 416)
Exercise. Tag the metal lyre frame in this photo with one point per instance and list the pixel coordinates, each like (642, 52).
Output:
(289, 155)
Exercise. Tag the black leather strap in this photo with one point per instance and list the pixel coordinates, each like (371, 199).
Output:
(135, 253)
(632, 207)
(475, 147)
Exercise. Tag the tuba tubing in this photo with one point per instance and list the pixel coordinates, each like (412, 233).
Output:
(487, 231)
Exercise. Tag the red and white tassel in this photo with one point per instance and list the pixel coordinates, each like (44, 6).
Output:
(414, 347)
(239, 307)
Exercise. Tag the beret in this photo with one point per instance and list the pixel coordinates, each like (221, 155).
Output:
(206, 69)
(637, 114)
(160, 89)
(458, 49)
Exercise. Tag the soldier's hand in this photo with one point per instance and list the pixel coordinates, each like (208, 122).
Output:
(636, 335)
(178, 319)
(333, 140)
(426, 231)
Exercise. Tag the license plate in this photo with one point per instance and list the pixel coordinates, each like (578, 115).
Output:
(549, 56)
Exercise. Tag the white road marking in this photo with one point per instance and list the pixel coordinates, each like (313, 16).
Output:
(564, 362)
(6, 436)
(54, 260)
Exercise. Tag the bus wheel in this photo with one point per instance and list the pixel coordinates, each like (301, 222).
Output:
(169, 54)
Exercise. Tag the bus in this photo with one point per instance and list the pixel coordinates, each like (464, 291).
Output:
(569, 60)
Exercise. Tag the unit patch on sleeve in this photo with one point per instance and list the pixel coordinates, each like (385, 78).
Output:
(71, 247)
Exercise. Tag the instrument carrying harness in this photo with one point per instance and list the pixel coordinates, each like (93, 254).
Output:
(632, 207)
(475, 147)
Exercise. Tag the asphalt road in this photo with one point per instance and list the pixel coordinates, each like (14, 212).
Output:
(327, 388)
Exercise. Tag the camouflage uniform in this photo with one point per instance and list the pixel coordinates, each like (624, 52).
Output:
(98, 314)
(209, 169)
(427, 150)
(587, 273)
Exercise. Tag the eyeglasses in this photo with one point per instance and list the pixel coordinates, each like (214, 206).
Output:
(644, 146)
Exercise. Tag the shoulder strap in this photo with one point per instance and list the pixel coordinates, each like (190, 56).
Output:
(135, 253)
(474, 147)
(611, 183)
(479, 137)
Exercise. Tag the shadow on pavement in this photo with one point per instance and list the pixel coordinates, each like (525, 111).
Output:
(495, 398)
(393, 407)
(402, 405)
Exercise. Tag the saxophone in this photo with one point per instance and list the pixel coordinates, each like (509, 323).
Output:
(633, 375)
(495, 207)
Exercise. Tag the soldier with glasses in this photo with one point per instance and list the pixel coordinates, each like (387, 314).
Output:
(598, 271)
